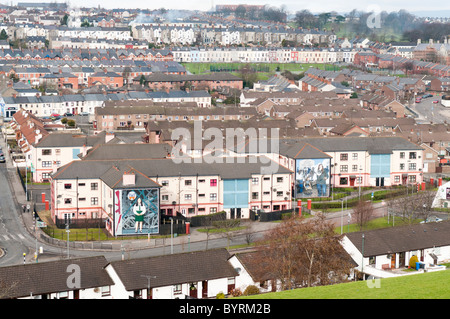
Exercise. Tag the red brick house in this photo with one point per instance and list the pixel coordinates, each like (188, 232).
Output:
(110, 79)
(366, 58)
(158, 81)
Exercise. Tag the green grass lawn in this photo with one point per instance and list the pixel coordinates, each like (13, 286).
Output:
(376, 223)
(266, 68)
(433, 285)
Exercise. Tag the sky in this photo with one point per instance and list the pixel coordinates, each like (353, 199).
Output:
(290, 5)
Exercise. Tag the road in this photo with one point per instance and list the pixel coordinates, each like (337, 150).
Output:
(431, 112)
(13, 236)
(17, 237)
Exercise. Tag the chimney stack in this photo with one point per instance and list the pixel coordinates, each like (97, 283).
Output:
(129, 179)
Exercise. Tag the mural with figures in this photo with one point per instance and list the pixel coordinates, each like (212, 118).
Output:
(136, 211)
(312, 178)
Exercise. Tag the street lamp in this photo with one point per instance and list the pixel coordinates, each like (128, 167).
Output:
(68, 232)
(362, 255)
(171, 235)
(148, 284)
(342, 214)
(360, 181)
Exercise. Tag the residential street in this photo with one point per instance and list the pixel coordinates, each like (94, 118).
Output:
(431, 112)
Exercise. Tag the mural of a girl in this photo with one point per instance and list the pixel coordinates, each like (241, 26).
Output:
(139, 211)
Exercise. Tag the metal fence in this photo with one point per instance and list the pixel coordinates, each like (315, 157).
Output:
(272, 216)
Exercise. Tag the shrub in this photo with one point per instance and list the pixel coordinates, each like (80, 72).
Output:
(251, 290)
(412, 261)
(220, 295)
(236, 292)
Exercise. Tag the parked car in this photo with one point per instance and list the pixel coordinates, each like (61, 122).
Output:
(68, 114)
(426, 96)
(84, 113)
(418, 100)
(2, 159)
(431, 219)
(436, 101)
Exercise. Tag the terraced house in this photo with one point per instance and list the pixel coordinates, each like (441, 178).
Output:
(93, 188)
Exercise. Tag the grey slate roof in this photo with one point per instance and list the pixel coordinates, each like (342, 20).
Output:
(128, 151)
(51, 277)
(69, 140)
(402, 239)
(196, 266)
(313, 147)
(113, 177)
(155, 168)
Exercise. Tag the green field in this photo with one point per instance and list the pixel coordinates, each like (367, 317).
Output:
(266, 68)
(433, 285)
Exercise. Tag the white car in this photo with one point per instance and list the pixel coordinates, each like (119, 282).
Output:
(431, 219)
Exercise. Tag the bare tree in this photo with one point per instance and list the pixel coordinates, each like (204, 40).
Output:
(302, 252)
(227, 227)
(363, 213)
(249, 234)
(413, 206)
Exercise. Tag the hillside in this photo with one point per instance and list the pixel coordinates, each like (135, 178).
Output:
(433, 285)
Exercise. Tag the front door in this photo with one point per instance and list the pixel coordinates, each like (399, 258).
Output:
(204, 289)
(393, 258)
(352, 181)
(193, 290)
(401, 259)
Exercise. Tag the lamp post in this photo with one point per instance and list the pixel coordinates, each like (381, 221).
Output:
(360, 182)
(148, 284)
(68, 232)
(342, 215)
(362, 257)
(171, 235)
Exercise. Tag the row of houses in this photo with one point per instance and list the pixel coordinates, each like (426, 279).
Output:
(393, 87)
(263, 54)
(201, 274)
(86, 54)
(351, 161)
(191, 180)
(411, 66)
(24, 30)
(381, 253)
(46, 105)
(229, 35)
(74, 77)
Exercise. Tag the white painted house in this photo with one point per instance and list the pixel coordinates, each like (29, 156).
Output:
(200, 274)
(381, 252)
